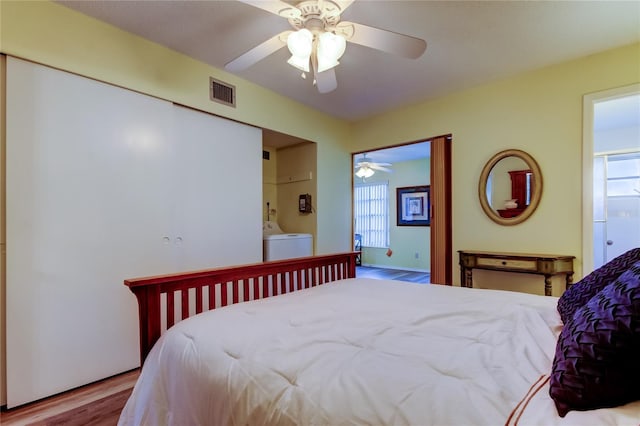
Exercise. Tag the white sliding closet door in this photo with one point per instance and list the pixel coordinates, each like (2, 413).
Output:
(219, 165)
(104, 185)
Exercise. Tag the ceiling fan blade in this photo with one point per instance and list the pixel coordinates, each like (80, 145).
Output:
(333, 8)
(387, 41)
(276, 7)
(383, 169)
(258, 53)
(343, 4)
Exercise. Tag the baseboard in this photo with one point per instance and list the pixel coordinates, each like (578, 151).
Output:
(398, 268)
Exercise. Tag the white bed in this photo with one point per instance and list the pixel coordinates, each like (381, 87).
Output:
(362, 351)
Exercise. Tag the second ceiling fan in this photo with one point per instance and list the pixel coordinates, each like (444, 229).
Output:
(365, 168)
(318, 39)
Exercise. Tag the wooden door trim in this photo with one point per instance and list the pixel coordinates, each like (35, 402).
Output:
(441, 201)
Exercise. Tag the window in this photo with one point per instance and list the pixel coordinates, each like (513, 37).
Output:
(371, 213)
(623, 175)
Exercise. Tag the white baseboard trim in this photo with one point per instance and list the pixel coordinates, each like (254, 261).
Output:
(399, 268)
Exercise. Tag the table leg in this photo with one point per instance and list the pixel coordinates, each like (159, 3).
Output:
(468, 278)
(547, 285)
(569, 280)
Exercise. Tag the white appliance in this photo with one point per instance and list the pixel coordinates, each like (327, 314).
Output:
(287, 246)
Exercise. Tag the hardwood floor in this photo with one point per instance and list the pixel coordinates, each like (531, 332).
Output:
(393, 274)
(98, 404)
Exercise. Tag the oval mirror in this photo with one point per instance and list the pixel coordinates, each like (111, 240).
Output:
(510, 187)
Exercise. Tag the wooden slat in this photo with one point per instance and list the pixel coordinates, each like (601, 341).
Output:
(212, 297)
(245, 290)
(198, 300)
(256, 289)
(223, 294)
(283, 282)
(265, 286)
(171, 313)
(234, 286)
(185, 303)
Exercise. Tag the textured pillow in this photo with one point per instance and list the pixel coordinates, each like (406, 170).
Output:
(580, 293)
(597, 360)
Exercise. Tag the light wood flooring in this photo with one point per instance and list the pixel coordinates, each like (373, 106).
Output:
(96, 404)
(393, 274)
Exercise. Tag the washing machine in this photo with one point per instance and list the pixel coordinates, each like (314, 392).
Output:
(287, 246)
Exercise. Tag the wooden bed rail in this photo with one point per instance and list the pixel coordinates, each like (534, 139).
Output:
(164, 300)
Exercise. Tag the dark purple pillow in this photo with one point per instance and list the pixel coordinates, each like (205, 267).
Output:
(597, 361)
(580, 293)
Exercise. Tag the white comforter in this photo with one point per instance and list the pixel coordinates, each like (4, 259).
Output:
(358, 351)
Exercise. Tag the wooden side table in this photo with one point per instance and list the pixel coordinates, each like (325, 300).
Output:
(541, 264)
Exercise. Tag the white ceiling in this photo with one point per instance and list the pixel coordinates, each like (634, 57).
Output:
(617, 113)
(398, 154)
(469, 43)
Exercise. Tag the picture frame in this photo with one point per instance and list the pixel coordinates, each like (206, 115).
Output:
(413, 206)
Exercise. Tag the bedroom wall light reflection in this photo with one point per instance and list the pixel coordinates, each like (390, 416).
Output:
(142, 139)
(508, 173)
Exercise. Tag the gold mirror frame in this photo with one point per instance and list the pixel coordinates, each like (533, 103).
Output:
(535, 196)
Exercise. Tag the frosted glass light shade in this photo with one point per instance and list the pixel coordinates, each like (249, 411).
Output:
(364, 172)
(300, 44)
(331, 47)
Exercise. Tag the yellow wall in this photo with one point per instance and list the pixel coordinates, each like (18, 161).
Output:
(297, 174)
(539, 112)
(291, 171)
(269, 185)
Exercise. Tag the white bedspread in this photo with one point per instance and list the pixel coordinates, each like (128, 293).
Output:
(358, 351)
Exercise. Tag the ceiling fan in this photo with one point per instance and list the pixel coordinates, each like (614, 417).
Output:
(366, 168)
(319, 37)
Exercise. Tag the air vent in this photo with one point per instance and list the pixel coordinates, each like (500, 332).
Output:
(222, 92)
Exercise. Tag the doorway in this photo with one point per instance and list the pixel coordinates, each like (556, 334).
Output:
(611, 175)
(424, 167)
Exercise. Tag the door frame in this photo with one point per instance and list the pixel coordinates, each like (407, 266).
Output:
(442, 227)
(588, 102)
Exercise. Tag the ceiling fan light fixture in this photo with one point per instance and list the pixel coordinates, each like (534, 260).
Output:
(300, 44)
(364, 172)
(331, 47)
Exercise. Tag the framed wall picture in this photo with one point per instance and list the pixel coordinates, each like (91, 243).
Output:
(413, 206)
